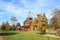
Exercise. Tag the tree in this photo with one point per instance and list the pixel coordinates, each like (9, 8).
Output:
(56, 13)
(3, 27)
(0, 27)
(55, 20)
(14, 20)
(40, 22)
(7, 25)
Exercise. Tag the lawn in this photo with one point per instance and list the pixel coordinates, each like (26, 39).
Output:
(23, 35)
(58, 34)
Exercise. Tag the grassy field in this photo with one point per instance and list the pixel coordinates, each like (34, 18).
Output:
(24, 36)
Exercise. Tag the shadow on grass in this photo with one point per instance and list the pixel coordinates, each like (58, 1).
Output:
(37, 33)
(7, 34)
(41, 33)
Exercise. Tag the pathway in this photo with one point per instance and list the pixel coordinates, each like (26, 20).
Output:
(1, 38)
(51, 36)
(45, 35)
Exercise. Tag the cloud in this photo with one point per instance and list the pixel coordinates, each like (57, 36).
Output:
(9, 7)
(35, 4)
(14, 9)
(23, 1)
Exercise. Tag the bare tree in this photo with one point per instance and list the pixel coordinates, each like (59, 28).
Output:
(14, 20)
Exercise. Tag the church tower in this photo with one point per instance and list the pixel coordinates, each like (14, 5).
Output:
(28, 21)
(29, 15)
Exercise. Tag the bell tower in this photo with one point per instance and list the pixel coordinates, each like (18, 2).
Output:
(29, 15)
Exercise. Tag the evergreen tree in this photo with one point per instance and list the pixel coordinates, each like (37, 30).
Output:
(3, 27)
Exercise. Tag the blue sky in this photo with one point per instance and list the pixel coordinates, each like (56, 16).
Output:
(20, 8)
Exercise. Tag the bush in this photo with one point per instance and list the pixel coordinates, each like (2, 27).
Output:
(42, 32)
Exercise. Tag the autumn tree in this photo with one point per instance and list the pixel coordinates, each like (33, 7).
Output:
(33, 25)
(55, 20)
(40, 22)
(11, 27)
(0, 27)
(7, 25)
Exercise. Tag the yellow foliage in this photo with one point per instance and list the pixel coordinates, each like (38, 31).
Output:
(39, 21)
(0, 28)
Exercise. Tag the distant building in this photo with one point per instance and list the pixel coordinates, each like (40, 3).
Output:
(27, 22)
(18, 26)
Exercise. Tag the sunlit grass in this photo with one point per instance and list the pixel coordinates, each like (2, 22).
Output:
(27, 36)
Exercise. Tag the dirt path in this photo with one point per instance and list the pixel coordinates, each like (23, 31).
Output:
(51, 36)
(1, 38)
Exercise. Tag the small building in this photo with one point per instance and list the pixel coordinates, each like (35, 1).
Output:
(18, 26)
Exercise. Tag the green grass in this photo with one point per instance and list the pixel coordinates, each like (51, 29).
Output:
(58, 34)
(25, 36)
